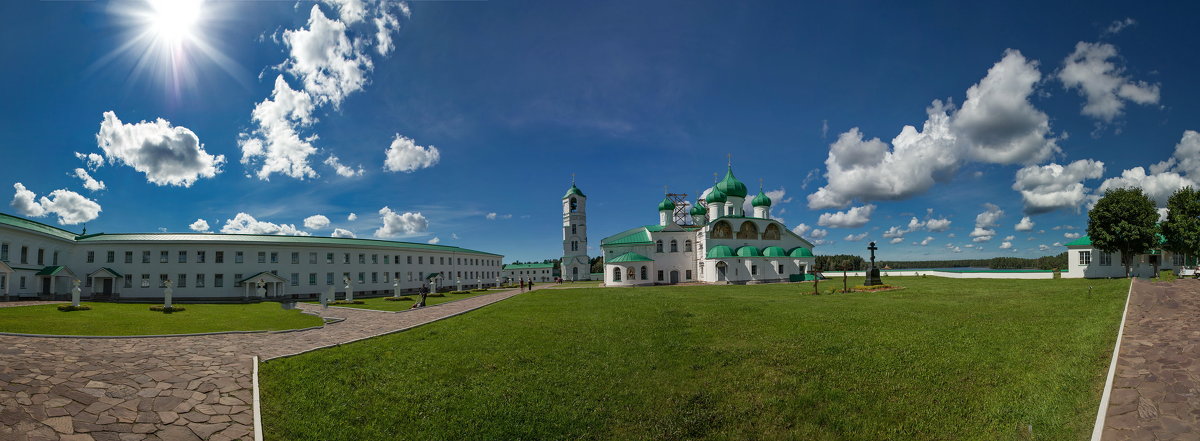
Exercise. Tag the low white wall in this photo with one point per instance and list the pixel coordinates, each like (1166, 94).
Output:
(947, 274)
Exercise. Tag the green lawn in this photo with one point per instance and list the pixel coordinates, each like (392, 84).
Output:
(379, 304)
(137, 319)
(942, 359)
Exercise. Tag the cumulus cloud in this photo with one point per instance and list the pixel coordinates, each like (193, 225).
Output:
(856, 237)
(89, 182)
(244, 223)
(352, 217)
(167, 155)
(1071, 235)
(435, 240)
(276, 141)
(1102, 82)
(316, 222)
(323, 57)
(1050, 187)
(997, 121)
(343, 170)
(404, 155)
(199, 226)
(92, 160)
(985, 223)
(395, 224)
(1158, 187)
(897, 240)
(70, 207)
(1005, 245)
(1043, 247)
(937, 225)
(852, 218)
(338, 232)
(1025, 224)
(926, 241)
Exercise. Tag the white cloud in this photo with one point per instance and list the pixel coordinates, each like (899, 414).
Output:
(70, 207)
(956, 249)
(1025, 224)
(386, 24)
(454, 236)
(89, 182)
(1043, 247)
(167, 155)
(435, 240)
(897, 240)
(276, 141)
(494, 216)
(985, 223)
(852, 218)
(818, 233)
(92, 160)
(316, 222)
(1050, 187)
(998, 123)
(404, 155)
(199, 226)
(352, 217)
(244, 223)
(1102, 82)
(325, 59)
(1058, 244)
(927, 240)
(856, 237)
(338, 232)
(1071, 235)
(801, 229)
(1010, 237)
(937, 225)
(1162, 214)
(1005, 245)
(349, 11)
(343, 170)
(1119, 25)
(895, 232)
(1158, 187)
(400, 224)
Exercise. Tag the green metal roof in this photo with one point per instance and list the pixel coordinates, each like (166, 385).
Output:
(630, 257)
(108, 270)
(666, 205)
(720, 251)
(774, 252)
(39, 227)
(761, 200)
(698, 209)
(267, 273)
(512, 266)
(50, 270)
(715, 195)
(431, 276)
(632, 236)
(731, 186)
(573, 190)
(800, 252)
(268, 238)
(1082, 241)
(748, 251)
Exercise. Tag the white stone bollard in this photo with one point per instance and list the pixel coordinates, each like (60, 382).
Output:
(75, 293)
(328, 297)
(459, 284)
(396, 289)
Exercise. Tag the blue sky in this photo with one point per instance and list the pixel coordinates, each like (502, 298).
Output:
(441, 113)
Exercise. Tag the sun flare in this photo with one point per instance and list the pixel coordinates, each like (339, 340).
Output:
(174, 20)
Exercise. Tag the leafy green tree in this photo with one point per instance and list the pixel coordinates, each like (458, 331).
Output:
(1124, 220)
(1182, 227)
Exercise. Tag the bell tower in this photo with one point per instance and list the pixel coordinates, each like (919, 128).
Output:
(575, 262)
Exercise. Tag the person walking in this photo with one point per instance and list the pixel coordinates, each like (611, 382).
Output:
(531, 284)
(424, 292)
(522, 284)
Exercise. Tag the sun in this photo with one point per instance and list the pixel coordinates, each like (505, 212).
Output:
(174, 21)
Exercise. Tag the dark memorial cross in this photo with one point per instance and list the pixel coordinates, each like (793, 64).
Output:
(872, 271)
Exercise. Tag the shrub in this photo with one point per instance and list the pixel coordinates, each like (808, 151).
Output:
(435, 294)
(167, 310)
(69, 308)
(460, 292)
(397, 299)
(347, 302)
(480, 290)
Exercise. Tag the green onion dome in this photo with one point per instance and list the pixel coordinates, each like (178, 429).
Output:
(715, 196)
(761, 200)
(666, 205)
(699, 210)
(573, 190)
(731, 186)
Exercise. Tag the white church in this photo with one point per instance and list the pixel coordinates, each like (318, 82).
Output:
(714, 241)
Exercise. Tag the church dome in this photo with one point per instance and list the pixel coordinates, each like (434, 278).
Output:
(573, 191)
(698, 210)
(731, 186)
(761, 200)
(666, 205)
(716, 195)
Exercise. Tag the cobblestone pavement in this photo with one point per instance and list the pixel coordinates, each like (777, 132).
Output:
(168, 388)
(1156, 390)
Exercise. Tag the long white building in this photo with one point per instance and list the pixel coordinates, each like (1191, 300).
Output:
(721, 244)
(1086, 261)
(39, 260)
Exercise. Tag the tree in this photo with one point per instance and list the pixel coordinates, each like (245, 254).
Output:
(1125, 221)
(1182, 227)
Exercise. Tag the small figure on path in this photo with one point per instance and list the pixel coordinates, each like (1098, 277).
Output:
(531, 284)
(522, 284)
(424, 292)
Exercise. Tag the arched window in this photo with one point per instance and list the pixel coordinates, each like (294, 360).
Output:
(687, 246)
(574, 205)
(771, 232)
(616, 274)
(748, 231)
(644, 273)
(658, 246)
(674, 246)
(632, 275)
(722, 230)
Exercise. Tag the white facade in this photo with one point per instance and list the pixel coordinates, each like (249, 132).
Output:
(538, 272)
(575, 262)
(1085, 261)
(212, 266)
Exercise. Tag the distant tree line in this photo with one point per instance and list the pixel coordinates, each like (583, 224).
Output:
(856, 263)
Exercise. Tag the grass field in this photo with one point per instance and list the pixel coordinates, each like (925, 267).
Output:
(137, 319)
(379, 304)
(942, 359)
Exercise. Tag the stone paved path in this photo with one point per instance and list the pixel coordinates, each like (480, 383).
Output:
(168, 388)
(1156, 390)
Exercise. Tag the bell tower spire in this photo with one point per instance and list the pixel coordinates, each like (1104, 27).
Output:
(575, 263)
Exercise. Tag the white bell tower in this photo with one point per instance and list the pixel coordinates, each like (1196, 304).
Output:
(575, 262)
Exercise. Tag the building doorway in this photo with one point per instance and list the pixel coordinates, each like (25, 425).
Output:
(674, 277)
(45, 286)
(721, 270)
(107, 287)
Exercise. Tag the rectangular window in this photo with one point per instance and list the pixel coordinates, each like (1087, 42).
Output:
(163, 257)
(129, 257)
(128, 280)
(22, 282)
(312, 279)
(218, 280)
(346, 258)
(410, 260)
(199, 280)
(295, 279)
(441, 261)
(4, 252)
(329, 258)
(781, 269)
(1085, 257)
(328, 278)
(387, 259)
(420, 260)
(183, 256)
(110, 257)
(25, 255)
(201, 256)
(295, 258)
(374, 259)
(219, 257)
(374, 277)
(385, 278)
(145, 280)
(41, 256)
(274, 257)
(362, 278)
(238, 257)
(145, 257)
(162, 280)
(1177, 259)
(182, 282)
(345, 277)
(687, 274)
(1105, 259)
(91, 256)
(237, 281)
(262, 257)
(362, 259)
(312, 258)
(87, 282)
(754, 270)
(410, 276)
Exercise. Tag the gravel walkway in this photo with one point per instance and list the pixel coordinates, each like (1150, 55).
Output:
(1156, 391)
(169, 388)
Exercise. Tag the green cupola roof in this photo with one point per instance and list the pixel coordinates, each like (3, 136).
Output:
(666, 205)
(574, 191)
(698, 209)
(731, 186)
(715, 195)
(761, 200)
